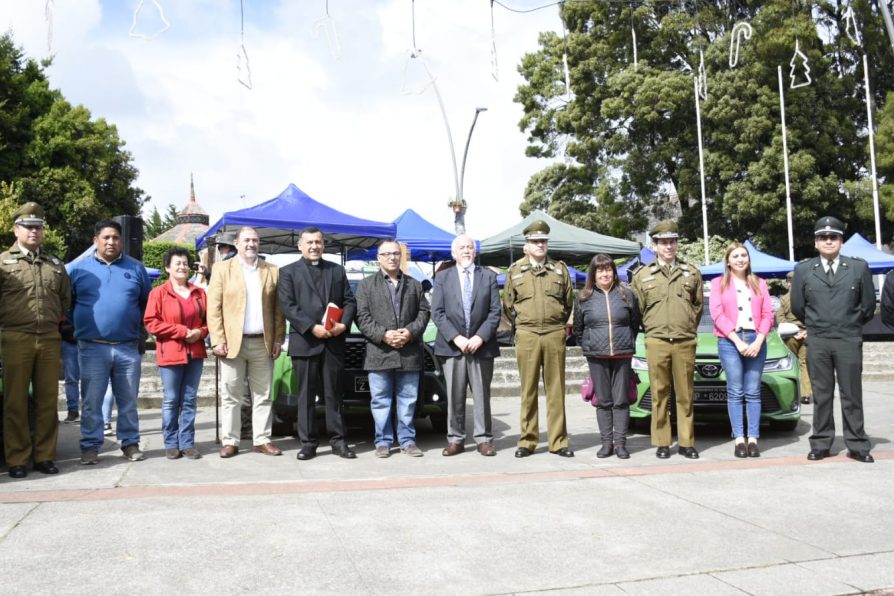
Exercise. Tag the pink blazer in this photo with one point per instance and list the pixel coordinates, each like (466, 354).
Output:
(725, 308)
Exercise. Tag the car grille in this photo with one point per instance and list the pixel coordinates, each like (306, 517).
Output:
(768, 399)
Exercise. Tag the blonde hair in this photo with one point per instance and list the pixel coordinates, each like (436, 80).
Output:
(750, 278)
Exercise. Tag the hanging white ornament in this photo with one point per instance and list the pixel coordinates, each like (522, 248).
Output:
(161, 15)
(850, 26)
(494, 70)
(48, 17)
(325, 25)
(799, 58)
(741, 31)
(702, 77)
(243, 67)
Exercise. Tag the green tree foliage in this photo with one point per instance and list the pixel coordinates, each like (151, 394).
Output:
(628, 134)
(155, 225)
(53, 153)
(884, 145)
(153, 256)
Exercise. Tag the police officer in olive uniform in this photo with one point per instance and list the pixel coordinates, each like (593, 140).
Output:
(671, 300)
(538, 295)
(34, 293)
(796, 343)
(834, 296)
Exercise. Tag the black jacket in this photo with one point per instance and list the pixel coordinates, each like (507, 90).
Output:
(833, 309)
(606, 325)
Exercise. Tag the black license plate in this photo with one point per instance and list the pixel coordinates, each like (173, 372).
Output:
(710, 395)
(361, 384)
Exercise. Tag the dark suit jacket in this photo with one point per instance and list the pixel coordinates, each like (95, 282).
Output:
(375, 316)
(447, 311)
(303, 305)
(833, 310)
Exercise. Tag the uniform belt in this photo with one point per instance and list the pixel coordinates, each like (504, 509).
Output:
(106, 342)
(252, 335)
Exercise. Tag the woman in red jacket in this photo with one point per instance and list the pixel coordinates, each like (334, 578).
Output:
(743, 316)
(175, 315)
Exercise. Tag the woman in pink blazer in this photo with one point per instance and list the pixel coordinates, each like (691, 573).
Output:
(743, 316)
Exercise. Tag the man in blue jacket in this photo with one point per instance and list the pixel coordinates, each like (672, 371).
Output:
(109, 295)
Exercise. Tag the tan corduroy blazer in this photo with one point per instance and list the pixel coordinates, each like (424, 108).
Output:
(226, 305)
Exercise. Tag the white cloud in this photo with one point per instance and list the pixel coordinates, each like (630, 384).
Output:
(338, 128)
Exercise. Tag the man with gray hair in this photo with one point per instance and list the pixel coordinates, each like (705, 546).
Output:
(466, 310)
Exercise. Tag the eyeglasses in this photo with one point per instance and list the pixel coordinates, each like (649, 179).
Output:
(827, 237)
(389, 255)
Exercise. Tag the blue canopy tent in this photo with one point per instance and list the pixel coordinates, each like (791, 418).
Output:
(858, 246)
(645, 257)
(761, 263)
(279, 220)
(577, 277)
(426, 241)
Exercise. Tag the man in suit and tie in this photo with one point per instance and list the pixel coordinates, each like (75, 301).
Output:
(247, 330)
(466, 310)
(834, 297)
(306, 288)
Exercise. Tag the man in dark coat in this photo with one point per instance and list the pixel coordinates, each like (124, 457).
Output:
(392, 312)
(834, 297)
(317, 346)
(466, 309)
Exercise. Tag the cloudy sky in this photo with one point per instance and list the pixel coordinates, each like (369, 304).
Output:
(349, 122)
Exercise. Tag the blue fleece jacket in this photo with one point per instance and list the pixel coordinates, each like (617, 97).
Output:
(109, 299)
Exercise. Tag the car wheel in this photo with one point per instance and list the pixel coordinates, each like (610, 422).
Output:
(438, 422)
(785, 425)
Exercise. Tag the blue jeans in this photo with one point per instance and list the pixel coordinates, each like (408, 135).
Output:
(72, 374)
(100, 364)
(384, 385)
(743, 381)
(178, 408)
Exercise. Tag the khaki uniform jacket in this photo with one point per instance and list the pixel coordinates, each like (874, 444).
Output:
(35, 292)
(671, 305)
(785, 314)
(539, 301)
(226, 305)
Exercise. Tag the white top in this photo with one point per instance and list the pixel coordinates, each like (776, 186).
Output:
(745, 320)
(254, 308)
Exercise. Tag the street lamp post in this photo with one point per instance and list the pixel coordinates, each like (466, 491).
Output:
(459, 204)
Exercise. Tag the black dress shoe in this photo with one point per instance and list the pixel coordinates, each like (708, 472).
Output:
(741, 450)
(307, 452)
(605, 451)
(523, 452)
(805, 399)
(45, 467)
(17, 471)
(753, 450)
(564, 452)
(688, 452)
(861, 456)
(663, 452)
(817, 454)
(344, 451)
(621, 452)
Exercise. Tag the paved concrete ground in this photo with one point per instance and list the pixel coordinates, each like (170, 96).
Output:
(462, 525)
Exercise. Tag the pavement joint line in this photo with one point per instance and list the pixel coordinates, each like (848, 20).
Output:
(349, 485)
(19, 521)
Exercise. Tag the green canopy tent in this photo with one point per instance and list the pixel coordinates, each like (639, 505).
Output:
(566, 242)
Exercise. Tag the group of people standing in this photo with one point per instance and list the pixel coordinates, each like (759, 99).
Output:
(106, 298)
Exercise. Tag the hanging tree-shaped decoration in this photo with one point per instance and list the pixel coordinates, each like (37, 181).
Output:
(741, 31)
(799, 59)
(244, 79)
(850, 26)
(325, 25)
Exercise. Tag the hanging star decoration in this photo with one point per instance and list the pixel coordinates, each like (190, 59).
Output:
(148, 37)
(741, 31)
(413, 56)
(799, 58)
(702, 77)
(850, 26)
(325, 25)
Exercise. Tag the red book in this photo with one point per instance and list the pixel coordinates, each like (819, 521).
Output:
(332, 315)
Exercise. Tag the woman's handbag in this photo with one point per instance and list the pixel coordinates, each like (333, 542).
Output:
(588, 390)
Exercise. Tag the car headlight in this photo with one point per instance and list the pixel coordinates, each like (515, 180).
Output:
(639, 364)
(775, 364)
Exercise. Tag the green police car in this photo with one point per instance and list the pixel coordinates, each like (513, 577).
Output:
(780, 386)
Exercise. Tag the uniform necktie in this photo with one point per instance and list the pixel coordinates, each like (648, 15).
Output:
(830, 272)
(467, 298)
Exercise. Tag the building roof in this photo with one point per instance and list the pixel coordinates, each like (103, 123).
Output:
(192, 221)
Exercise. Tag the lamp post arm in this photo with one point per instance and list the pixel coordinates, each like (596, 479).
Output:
(462, 171)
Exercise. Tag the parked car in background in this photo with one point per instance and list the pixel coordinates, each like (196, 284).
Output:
(780, 385)
(431, 403)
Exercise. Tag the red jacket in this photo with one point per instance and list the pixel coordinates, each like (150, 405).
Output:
(164, 320)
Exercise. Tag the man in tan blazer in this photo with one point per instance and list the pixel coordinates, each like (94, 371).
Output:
(247, 329)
